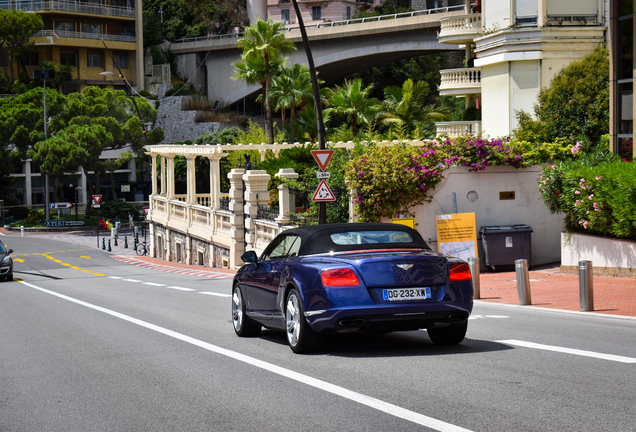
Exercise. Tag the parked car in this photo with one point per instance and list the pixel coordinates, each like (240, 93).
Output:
(332, 278)
(6, 268)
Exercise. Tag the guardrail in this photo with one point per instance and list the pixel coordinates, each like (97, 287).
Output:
(84, 35)
(68, 6)
(335, 23)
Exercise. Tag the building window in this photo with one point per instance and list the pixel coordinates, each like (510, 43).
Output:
(121, 60)
(315, 13)
(284, 16)
(64, 26)
(94, 60)
(91, 28)
(31, 59)
(68, 58)
(348, 12)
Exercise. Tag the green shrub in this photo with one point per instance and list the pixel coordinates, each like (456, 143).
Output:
(118, 210)
(19, 213)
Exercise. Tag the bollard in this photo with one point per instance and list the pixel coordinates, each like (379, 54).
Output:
(115, 240)
(126, 242)
(22, 230)
(109, 249)
(523, 282)
(103, 244)
(586, 286)
(473, 263)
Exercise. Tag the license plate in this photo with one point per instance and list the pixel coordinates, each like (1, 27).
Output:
(407, 294)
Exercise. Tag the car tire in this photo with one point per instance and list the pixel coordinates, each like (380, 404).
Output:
(302, 339)
(243, 326)
(9, 276)
(451, 335)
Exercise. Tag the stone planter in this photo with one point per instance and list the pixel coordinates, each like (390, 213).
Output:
(610, 257)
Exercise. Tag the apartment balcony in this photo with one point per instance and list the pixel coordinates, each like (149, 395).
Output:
(68, 6)
(460, 29)
(49, 34)
(458, 128)
(461, 81)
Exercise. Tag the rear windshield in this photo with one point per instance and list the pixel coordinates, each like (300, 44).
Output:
(369, 237)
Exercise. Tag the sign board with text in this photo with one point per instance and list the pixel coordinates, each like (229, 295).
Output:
(60, 205)
(457, 235)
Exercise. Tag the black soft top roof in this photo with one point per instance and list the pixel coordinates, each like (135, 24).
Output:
(316, 239)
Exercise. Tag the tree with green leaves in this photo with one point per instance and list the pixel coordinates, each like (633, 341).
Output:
(16, 27)
(352, 101)
(574, 106)
(90, 123)
(290, 89)
(405, 106)
(262, 46)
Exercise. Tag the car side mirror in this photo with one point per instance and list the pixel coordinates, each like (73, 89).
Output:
(249, 257)
(9, 251)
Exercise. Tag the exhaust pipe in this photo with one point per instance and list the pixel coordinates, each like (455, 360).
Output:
(354, 322)
(457, 317)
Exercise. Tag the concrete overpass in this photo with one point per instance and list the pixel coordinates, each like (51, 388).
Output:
(339, 49)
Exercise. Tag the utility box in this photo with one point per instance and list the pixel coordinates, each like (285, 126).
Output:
(506, 243)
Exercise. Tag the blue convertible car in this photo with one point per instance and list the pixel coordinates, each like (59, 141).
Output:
(332, 278)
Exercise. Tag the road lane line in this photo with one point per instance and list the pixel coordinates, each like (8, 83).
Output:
(181, 288)
(154, 284)
(215, 294)
(578, 352)
(132, 280)
(360, 398)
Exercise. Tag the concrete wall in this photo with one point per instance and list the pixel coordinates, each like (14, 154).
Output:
(489, 209)
(609, 256)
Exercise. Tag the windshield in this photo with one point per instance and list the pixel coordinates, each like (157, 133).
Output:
(2, 249)
(370, 237)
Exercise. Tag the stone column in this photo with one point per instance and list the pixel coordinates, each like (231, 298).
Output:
(191, 180)
(170, 176)
(163, 176)
(83, 195)
(28, 192)
(237, 230)
(153, 175)
(256, 193)
(283, 195)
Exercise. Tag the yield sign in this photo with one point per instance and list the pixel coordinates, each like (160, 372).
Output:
(146, 210)
(97, 199)
(322, 157)
(323, 193)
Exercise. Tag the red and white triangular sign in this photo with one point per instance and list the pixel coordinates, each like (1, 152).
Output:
(322, 157)
(97, 199)
(323, 193)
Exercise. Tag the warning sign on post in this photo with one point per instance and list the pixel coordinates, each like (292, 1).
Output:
(457, 235)
(323, 193)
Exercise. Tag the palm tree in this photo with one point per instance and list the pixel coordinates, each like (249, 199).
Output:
(352, 101)
(404, 106)
(263, 43)
(291, 88)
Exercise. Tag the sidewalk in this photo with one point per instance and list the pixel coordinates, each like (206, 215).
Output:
(549, 288)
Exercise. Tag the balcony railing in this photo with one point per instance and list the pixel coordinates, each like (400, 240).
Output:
(460, 28)
(68, 6)
(84, 35)
(455, 129)
(460, 81)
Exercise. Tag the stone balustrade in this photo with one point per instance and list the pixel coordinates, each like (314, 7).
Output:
(460, 29)
(460, 81)
(455, 129)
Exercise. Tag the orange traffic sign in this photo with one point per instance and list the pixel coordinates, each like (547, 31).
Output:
(322, 157)
(97, 199)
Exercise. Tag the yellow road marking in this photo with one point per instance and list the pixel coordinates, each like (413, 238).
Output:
(58, 261)
(76, 268)
(99, 274)
(18, 260)
(66, 264)
(87, 257)
(87, 271)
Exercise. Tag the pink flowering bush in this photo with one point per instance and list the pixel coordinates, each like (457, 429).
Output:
(597, 194)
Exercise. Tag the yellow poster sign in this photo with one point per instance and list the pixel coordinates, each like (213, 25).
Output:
(457, 235)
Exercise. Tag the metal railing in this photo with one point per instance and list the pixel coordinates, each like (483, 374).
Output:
(84, 35)
(68, 6)
(337, 23)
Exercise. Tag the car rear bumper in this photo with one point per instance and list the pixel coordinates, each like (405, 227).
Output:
(383, 318)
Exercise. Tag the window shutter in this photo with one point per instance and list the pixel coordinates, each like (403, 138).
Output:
(572, 7)
(527, 8)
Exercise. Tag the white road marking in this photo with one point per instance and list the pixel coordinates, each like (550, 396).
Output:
(578, 352)
(114, 277)
(154, 284)
(360, 398)
(215, 294)
(132, 280)
(487, 316)
(181, 288)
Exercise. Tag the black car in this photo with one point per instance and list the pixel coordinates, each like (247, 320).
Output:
(6, 269)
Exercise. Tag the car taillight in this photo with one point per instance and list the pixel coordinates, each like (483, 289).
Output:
(339, 277)
(460, 272)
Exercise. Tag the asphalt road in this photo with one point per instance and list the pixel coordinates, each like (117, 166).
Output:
(91, 344)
